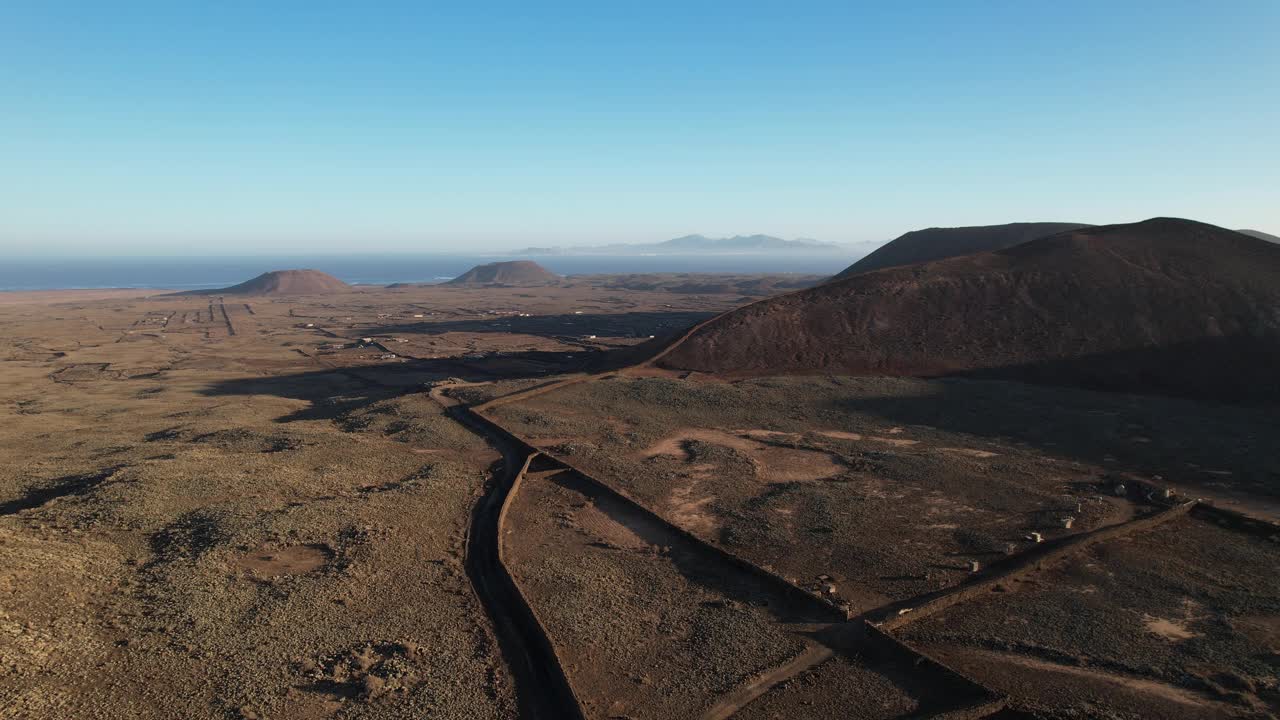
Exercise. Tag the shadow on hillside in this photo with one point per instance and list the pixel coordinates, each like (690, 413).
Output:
(1214, 446)
(1239, 370)
(343, 390)
(629, 324)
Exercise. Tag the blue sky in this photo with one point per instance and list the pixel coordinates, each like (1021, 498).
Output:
(197, 128)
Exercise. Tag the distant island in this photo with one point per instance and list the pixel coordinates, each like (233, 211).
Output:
(702, 245)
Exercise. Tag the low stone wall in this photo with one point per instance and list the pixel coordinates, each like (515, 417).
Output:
(507, 502)
(515, 598)
(533, 392)
(973, 699)
(1238, 521)
(526, 609)
(824, 609)
(901, 614)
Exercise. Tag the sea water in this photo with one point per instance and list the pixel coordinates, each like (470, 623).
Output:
(191, 273)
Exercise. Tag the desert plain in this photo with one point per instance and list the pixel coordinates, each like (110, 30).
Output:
(482, 502)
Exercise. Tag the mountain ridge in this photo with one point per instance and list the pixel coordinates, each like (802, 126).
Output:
(1261, 235)
(700, 244)
(937, 243)
(1166, 305)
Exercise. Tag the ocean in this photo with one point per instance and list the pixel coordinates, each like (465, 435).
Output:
(191, 273)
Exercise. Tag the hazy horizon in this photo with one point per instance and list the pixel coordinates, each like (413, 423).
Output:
(197, 272)
(505, 250)
(149, 129)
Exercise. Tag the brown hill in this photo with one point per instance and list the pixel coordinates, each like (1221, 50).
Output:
(515, 272)
(1166, 305)
(920, 246)
(282, 282)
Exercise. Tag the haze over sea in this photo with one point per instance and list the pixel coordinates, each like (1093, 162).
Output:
(188, 273)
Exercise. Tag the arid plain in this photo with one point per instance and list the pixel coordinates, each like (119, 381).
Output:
(481, 502)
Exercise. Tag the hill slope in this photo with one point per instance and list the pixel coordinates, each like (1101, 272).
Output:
(938, 243)
(516, 272)
(1261, 235)
(282, 282)
(1165, 305)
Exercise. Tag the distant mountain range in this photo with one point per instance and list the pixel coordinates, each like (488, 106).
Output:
(702, 245)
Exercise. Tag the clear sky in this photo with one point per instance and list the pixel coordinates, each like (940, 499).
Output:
(228, 127)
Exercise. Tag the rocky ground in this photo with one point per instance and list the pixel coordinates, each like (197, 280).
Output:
(654, 628)
(842, 687)
(821, 479)
(870, 490)
(256, 508)
(256, 513)
(1185, 617)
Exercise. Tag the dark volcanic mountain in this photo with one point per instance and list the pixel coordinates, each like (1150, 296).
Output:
(282, 282)
(938, 243)
(1261, 235)
(1166, 305)
(516, 272)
